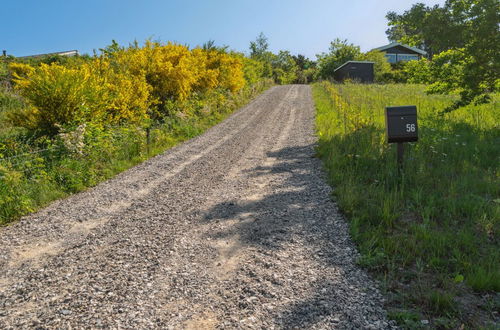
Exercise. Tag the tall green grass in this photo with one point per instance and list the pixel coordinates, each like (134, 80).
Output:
(30, 179)
(432, 231)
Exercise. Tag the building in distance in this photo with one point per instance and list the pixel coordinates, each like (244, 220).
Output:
(398, 52)
(360, 71)
(68, 53)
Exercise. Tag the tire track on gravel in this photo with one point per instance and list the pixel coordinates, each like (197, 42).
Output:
(233, 229)
(81, 220)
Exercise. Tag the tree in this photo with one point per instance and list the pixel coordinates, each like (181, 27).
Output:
(481, 75)
(303, 62)
(340, 52)
(284, 67)
(259, 47)
(418, 72)
(381, 67)
(465, 34)
(433, 29)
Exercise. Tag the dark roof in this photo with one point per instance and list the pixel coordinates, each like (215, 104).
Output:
(395, 44)
(65, 53)
(351, 62)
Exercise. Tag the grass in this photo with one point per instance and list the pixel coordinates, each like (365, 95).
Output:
(30, 180)
(431, 233)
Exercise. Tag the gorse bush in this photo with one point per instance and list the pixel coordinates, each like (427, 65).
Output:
(175, 72)
(94, 92)
(123, 85)
(69, 123)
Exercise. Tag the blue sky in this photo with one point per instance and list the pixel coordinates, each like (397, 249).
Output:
(301, 26)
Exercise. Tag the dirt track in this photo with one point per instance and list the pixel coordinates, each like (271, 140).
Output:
(233, 229)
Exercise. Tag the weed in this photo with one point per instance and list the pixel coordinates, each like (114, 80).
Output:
(439, 218)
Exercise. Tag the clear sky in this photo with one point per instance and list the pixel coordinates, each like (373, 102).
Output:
(301, 26)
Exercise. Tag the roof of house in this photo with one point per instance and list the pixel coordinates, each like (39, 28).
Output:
(65, 53)
(351, 62)
(395, 44)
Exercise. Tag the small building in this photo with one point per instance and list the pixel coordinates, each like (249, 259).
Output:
(361, 71)
(65, 53)
(398, 52)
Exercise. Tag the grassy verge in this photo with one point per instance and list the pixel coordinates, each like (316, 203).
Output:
(82, 158)
(430, 234)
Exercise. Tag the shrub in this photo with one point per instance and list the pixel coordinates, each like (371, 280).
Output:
(20, 70)
(381, 67)
(55, 95)
(253, 70)
(60, 96)
(418, 72)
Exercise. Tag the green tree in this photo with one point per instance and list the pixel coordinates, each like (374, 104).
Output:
(260, 47)
(433, 29)
(418, 72)
(382, 68)
(340, 52)
(481, 72)
(465, 34)
(303, 62)
(284, 67)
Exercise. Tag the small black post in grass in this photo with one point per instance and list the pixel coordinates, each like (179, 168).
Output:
(401, 126)
(401, 151)
(148, 139)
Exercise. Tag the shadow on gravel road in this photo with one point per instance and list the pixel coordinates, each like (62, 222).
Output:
(296, 217)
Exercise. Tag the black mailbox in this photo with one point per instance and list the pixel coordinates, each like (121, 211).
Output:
(401, 124)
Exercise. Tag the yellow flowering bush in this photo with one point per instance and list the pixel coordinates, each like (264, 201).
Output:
(122, 97)
(57, 95)
(122, 85)
(230, 71)
(20, 70)
(175, 72)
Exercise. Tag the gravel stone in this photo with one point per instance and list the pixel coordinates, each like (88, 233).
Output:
(233, 229)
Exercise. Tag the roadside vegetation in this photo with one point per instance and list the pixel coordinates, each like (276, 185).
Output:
(431, 232)
(69, 123)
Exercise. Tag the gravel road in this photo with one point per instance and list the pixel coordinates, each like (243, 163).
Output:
(233, 229)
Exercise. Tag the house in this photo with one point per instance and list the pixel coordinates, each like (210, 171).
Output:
(361, 71)
(66, 53)
(398, 52)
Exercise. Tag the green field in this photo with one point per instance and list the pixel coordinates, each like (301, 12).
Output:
(431, 233)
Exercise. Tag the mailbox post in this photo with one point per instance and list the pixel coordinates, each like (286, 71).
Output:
(401, 126)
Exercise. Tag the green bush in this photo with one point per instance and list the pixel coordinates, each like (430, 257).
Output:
(381, 67)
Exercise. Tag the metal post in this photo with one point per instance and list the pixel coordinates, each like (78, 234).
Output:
(401, 150)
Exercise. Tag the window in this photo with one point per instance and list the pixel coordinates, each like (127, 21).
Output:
(407, 57)
(391, 58)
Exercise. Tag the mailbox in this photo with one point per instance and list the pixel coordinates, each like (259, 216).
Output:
(401, 124)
